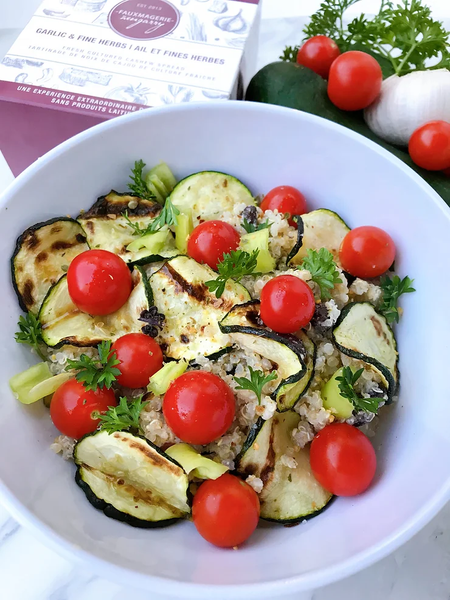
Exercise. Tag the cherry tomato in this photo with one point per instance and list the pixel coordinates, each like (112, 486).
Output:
(74, 409)
(285, 199)
(140, 357)
(429, 146)
(287, 304)
(99, 282)
(225, 511)
(199, 407)
(318, 54)
(367, 252)
(354, 81)
(211, 240)
(343, 460)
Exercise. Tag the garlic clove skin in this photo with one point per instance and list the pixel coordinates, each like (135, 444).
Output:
(408, 102)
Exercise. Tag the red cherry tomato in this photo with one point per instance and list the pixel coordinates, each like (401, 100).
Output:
(99, 282)
(199, 407)
(287, 304)
(429, 146)
(211, 240)
(225, 511)
(318, 54)
(367, 252)
(140, 357)
(74, 410)
(343, 460)
(354, 81)
(285, 199)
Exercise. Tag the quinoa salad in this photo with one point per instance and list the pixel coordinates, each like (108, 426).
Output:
(194, 337)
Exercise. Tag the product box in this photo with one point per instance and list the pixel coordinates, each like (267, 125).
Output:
(79, 62)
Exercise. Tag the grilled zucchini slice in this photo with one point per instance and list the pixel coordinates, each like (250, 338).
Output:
(107, 228)
(209, 194)
(131, 480)
(320, 228)
(293, 357)
(43, 253)
(289, 495)
(63, 323)
(192, 313)
(362, 333)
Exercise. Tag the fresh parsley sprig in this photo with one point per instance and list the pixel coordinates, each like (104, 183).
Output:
(256, 382)
(167, 216)
(392, 290)
(96, 373)
(123, 417)
(138, 187)
(234, 265)
(251, 227)
(30, 333)
(347, 390)
(320, 263)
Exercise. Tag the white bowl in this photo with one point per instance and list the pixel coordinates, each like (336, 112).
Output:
(264, 146)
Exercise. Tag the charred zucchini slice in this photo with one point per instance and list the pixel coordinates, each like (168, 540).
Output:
(192, 313)
(292, 357)
(322, 228)
(108, 229)
(289, 495)
(131, 480)
(209, 194)
(362, 333)
(43, 253)
(63, 323)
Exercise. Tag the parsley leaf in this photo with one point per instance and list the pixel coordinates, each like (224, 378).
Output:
(168, 216)
(256, 382)
(329, 20)
(96, 373)
(290, 54)
(251, 227)
(138, 187)
(234, 265)
(392, 290)
(321, 265)
(30, 333)
(123, 417)
(347, 390)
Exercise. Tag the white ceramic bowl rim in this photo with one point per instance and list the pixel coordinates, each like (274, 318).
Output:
(191, 590)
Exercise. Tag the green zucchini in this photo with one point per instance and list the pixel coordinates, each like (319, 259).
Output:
(322, 228)
(209, 194)
(333, 400)
(298, 244)
(362, 333)
(42, 255)
(107, 228)
(292, 357)
(63, 323)
(289, 495)
(131, 480)
(191, 311)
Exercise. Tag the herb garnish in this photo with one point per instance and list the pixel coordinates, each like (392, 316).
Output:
(30, 333)
(347, 390)
(251, 228)
(138, 187)
(96, 373)
(256, 382)
(125, 416)
(250, 220)
(167, 216)
(234, 265)
(392, 290)
(321, 265)
(154, 320)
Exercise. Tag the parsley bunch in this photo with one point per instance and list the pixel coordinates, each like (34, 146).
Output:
(321, 265)
(30, 333)
(256, 382)
(96, 373)
(347, 390)
(138, 187)
(403, 33)
(392, 290)
(234, 265)
(123, 417)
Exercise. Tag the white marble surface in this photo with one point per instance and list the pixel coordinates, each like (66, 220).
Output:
(420, 570)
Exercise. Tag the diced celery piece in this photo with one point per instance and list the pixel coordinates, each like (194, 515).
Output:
(183, 230)
(154, 242)
(22, 383)
(160, 381)
(332, 399)
(259, 240)
(194, 463)
(165, 175)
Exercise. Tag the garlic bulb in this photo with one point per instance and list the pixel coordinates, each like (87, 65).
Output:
(408, 102)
